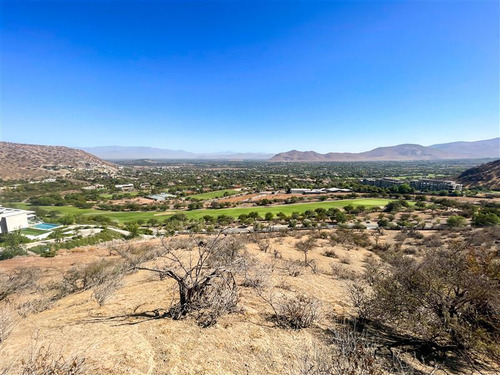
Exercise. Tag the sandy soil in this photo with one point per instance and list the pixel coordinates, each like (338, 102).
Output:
(245, 342)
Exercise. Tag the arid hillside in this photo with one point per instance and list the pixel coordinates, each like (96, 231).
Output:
(486, 175)
(273, 304)
(23, 161)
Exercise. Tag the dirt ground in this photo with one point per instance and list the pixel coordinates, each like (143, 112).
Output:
(114, 341)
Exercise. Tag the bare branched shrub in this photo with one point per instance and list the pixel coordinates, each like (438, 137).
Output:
(294, 312)
(350, 238)
(204, 273)
(86, 277)
(34, 306)
(20, 280)
(7, 322)
(43, 360)
(350, 352)
(359, 296)
(294, 268)
(341, 272)
(433, 241)
(449, 297)
(257, 275)
(103, 291)
(264, 246)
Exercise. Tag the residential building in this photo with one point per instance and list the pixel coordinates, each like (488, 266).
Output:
(12, 219)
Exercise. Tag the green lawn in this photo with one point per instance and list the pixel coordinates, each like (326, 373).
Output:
(214, 194)
(124, 217)
(287, 209)
(32, 231)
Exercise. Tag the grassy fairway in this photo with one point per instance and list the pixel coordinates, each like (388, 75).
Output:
(214, 194)
(125, 217)
(287, 209)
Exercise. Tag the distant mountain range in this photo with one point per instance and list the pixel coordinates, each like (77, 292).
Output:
(23, 161)
(135, 153)
(457, 150)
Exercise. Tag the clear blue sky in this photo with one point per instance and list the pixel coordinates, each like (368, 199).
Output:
(249, 76)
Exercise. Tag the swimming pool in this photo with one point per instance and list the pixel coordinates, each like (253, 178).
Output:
(46, 226)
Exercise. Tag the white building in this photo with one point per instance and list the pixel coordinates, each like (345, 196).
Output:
(125, 187)
(12, 219)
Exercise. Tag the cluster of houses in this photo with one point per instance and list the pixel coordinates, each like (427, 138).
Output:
(319, 191)
(421, 185)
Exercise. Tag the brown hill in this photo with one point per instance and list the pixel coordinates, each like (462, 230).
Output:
(403, 152)
(486, 175)
(23, 161)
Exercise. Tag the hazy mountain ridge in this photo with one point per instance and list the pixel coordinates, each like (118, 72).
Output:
(485, 175)
(131, 153)
(22, 161)
(489, 148)
(404, 152)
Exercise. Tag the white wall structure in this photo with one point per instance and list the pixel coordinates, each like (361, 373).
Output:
(12, 219)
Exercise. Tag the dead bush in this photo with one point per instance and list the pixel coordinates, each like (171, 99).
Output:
(257, 275)
(82, 278)
(294, 268)
(264, 246)
(433, 241)
(448, 297)
(330, 254)
(350, 352)
(295, 312)
(350, 238)
(103, 291)
(35, 306)
(204, 273)
(43, 360)
(343, 273)
(345, 259)
(20, 280)
(7, 322)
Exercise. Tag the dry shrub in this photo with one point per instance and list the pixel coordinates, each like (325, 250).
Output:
(341, 272)
(345, 259)
(433, 241)
(103, 291)
(20, 280)
(448, 297)
(295, 312)
(204, 274)
(219, 299)
(330, 254)
(350, 238)
(351, 353)
(7, 322)
(294, 268)
(43, 360)
(264, 246)
(34, 306)
(381, 246)
(257, 275)
(97, 273)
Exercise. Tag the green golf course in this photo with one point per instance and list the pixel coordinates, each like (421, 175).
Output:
(131, 216)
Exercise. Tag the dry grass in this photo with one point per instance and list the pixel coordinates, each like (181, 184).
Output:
(128, 314)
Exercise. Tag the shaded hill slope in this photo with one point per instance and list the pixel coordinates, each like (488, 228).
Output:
(485, 175)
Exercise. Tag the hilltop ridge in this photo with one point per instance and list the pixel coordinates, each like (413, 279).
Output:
(28, 161)
(403, 152)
